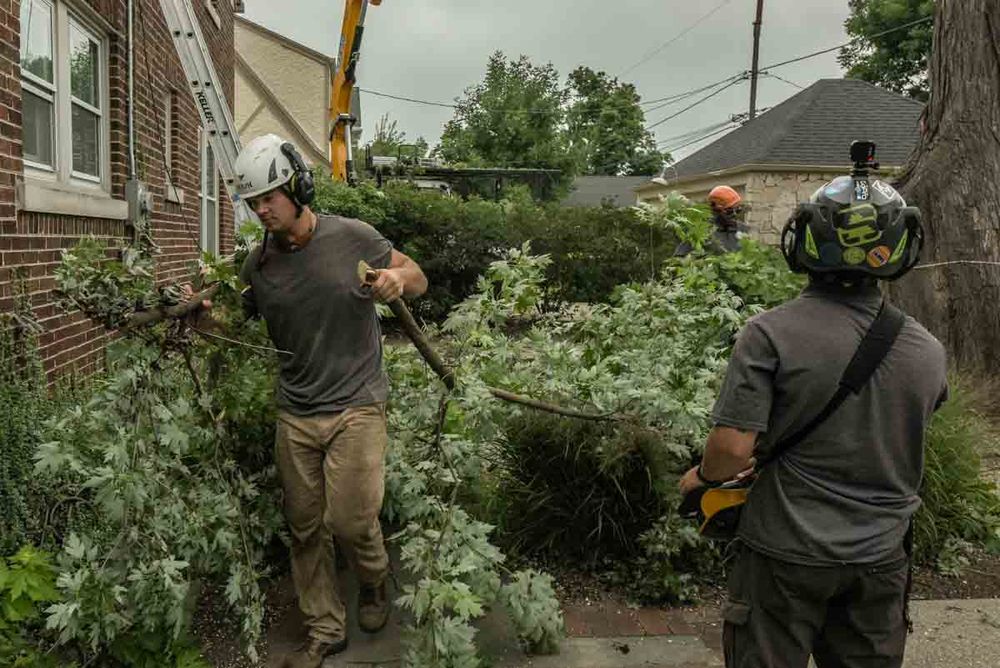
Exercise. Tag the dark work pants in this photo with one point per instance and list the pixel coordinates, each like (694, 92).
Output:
(778, 613)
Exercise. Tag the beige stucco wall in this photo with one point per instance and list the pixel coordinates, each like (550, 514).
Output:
(298, 80)
(771, 196)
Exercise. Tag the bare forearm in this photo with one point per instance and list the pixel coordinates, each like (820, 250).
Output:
(414, 281)
(725, 458)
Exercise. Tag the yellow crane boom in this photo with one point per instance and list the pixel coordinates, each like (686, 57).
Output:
(341, 121)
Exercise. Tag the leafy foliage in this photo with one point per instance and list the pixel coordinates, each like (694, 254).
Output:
(959, 508)
(592, 250)
(27, 583)
(513, 118)
(151, 453)
(897, 60)
(24, 404)
(606, 126)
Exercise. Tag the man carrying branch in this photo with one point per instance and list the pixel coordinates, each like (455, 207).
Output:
(331, 432)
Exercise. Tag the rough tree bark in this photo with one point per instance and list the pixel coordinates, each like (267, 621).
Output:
(954, 177)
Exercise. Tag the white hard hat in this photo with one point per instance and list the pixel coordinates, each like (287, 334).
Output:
(262, 166)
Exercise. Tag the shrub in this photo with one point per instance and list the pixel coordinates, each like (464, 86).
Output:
(592, 250)
(959, 508)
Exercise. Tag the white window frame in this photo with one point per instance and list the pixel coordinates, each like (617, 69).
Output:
(60, 176)
(208, 183)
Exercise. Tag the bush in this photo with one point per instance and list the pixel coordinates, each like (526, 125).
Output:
(592, 250)
(575, 489)
(959, 508)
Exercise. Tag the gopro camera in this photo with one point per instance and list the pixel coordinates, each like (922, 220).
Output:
(863, 156)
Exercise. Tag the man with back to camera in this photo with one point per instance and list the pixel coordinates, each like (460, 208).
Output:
(331, 431)
(822, 556)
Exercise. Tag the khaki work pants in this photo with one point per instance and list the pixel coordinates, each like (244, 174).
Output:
(332, 469)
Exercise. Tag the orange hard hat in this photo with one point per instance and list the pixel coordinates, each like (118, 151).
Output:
(724, 197)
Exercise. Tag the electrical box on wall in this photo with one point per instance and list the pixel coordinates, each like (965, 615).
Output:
(140, 203)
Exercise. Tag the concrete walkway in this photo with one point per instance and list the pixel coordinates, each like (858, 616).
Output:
(947, 634)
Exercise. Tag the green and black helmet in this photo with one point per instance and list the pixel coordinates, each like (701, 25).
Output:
(853, 227)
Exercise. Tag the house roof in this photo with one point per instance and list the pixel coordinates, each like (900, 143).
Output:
(816, 127)
(286, 41)
(595, 190)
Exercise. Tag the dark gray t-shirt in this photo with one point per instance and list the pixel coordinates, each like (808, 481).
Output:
(315, 308)
(845, 494)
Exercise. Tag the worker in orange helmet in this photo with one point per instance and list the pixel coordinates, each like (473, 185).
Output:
(726, 206)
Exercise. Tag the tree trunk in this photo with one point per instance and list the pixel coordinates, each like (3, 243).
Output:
(954, 177)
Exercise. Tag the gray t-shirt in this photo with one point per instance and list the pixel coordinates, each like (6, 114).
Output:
(844, 494)
(315, 308)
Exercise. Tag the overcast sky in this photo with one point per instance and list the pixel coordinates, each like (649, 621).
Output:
(435, 49)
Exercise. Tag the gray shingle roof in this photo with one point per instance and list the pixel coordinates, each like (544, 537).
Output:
(594, 190)
(816, 127)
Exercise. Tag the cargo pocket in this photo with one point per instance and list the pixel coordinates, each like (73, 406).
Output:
(735, 634)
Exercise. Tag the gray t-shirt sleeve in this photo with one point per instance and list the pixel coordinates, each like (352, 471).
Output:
(748, 389)
(375, 249)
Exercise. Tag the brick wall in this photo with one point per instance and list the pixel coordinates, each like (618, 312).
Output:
(31, 242)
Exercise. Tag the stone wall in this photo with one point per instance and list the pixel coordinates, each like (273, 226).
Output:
(772, 197)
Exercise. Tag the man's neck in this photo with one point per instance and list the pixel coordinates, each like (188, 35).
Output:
(302, 230)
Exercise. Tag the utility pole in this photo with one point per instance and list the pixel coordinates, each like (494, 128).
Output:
(756, 54)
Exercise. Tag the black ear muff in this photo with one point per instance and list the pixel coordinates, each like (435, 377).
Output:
(791, 237)
(301, 186)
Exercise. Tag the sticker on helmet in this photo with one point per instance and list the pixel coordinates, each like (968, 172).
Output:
(898, 253)
(885, 189)
(859, 228)
(879, 256)
(861, 191)
(811, 244)
(830, 254)
(854, 256)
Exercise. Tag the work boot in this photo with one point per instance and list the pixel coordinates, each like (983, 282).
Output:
(312, 653)
(373, 607)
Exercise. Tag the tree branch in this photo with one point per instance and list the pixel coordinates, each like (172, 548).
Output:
(447, 374)
(153, 315)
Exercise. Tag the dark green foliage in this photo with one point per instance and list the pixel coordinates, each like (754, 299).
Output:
(513, 118)
(27, 584)
(959, 507)
(24, 406)
(592, 249)
(897, 60)
(576, 489)
(606, 126)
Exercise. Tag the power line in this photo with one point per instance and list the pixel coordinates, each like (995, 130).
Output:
(848, 43)
(695, 104)
(408, 99)
(676, 37)
(787, 81)
(694, 133)
(702, 138)
(681, 96)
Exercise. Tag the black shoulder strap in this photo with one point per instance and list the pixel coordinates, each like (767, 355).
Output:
(870, 353)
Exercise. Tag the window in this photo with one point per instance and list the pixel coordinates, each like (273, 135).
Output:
(63, 65)
(209, 197)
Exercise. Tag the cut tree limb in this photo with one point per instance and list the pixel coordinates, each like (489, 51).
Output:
(367, 275)
(143, 318)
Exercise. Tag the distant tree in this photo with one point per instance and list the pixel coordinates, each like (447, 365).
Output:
(606, 126)
(388, 139)
(897, 60)
(515, 117)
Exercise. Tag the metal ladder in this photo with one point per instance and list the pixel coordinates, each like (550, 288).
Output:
(209, 96)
